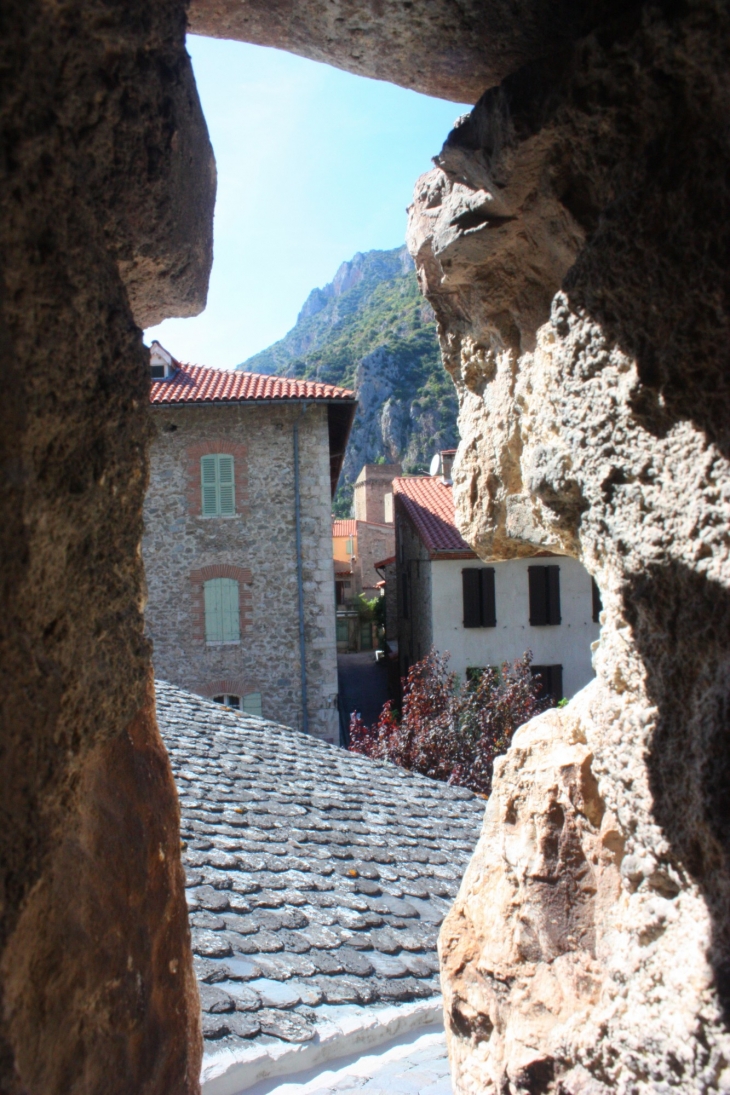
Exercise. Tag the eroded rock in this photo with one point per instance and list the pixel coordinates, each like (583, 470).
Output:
(106, 191)
(442, 48)
(558, 241)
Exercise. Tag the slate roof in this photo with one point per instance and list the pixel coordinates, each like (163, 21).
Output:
(200, 384)
(315, 877)
(429, 503)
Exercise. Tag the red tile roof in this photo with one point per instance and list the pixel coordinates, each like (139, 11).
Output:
(429, 503)
(344, 528)
(199, 384)
(384, 562)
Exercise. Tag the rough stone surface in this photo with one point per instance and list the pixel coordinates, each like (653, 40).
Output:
(316, 878)
(573, 243)
(445, 48)
(106, 191)
(260, 540)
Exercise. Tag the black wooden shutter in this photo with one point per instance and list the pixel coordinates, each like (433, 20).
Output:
(551, 678)
(543, 672)
(470, 590)
(488, 601)
(553, 595)
(597, 604)
(556, 682)
(538, 596)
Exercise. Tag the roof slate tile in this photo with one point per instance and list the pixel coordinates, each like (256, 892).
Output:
(270, 897)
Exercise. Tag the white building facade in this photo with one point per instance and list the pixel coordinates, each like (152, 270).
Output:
(486, 613)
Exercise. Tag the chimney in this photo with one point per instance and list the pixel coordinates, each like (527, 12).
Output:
(442, 464)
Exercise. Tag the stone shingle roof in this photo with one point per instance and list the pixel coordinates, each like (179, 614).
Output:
(429, 502)
(315, 877)
(199, 384)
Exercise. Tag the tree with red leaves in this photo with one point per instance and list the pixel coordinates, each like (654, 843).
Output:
(449, 732)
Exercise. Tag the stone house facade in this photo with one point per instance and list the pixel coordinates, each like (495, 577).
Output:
(484, 614)
(231, 602)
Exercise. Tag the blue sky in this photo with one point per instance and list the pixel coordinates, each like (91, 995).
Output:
(314, 164)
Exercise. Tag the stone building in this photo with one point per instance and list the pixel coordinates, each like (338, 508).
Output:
(373, 493)
(242, 467)
(485, 613)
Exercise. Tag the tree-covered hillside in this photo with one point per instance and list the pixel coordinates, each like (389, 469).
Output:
(370, 329)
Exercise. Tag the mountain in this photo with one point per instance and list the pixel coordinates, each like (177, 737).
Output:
(370, 329)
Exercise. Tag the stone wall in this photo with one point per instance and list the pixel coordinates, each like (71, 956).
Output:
(257, 546)
(573, 243)
(609, 164)
(107, 183)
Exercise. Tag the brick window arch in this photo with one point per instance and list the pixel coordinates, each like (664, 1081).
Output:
(198, 578)
(248, 691)
(217, 447)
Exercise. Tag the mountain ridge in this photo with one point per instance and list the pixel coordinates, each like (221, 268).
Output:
(371, 330)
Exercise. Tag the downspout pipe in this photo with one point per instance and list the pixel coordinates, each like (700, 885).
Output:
(300, 579)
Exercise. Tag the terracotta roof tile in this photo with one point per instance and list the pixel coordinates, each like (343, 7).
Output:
(344, 528)
(199, 384)
(429, 503)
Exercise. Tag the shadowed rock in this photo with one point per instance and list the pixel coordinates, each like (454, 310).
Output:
(558, 240)
(106, 195)
(440, 47)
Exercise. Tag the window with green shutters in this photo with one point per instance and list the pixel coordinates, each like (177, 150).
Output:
(222, 621)
(217, 485)
(251, 703)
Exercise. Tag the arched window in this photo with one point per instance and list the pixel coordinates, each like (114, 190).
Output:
(250, 703)
(217, 485)
(228, 701)
(222, 618)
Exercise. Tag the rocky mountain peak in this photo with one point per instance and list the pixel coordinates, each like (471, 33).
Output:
(370, 329)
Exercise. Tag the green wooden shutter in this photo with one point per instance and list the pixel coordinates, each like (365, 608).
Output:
(208, 486)
(252, 704)
(229, 610)
(227, 493)
(213, 621)
(222, 624)
(217, 485)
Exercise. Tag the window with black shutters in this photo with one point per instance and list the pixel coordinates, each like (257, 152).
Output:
(544, 595)
(405, 594)
(477, 584)
(551, 678)
(597, 603)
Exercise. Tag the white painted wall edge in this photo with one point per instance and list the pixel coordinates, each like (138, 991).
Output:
(233, 1071)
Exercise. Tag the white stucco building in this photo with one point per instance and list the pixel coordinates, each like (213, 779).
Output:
(486, 613)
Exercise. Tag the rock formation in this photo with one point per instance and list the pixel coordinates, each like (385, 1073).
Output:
(452, 49)
(370, 330)
(573, 241)
(106, 193)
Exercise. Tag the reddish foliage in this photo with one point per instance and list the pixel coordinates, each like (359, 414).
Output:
(449, 733)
